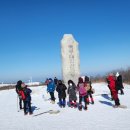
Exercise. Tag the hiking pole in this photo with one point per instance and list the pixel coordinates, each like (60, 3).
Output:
(17, 104)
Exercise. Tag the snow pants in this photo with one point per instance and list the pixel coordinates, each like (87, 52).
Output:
(20, 103)
(84, 98)
(52, 96)
(27, 106)
(115, 97)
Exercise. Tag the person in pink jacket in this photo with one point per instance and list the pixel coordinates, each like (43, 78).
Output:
(82, 93)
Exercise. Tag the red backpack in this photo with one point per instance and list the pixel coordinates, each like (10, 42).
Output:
(22, 94)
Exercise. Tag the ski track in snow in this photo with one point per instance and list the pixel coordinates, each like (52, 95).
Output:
(101, 115)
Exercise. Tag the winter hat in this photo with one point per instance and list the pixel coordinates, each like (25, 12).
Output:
(19, 82)
(60, 82)
(50, 78)
(80, 80)
(117, 74)
(70, 81)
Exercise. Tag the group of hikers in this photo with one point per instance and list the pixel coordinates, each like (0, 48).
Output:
(83, 88)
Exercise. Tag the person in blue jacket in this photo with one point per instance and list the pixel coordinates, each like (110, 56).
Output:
(51, 89)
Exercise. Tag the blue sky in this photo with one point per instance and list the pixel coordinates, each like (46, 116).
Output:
(31, 31)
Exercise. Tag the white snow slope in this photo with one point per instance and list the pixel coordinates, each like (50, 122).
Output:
(100, 116)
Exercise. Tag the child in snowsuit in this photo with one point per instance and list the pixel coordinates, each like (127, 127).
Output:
(61, 89)
(18, 88)
(119, 84)
(51, 89)
(27, 99)
(89, 90)
(112, 86)
(82, 93)
(72, 93)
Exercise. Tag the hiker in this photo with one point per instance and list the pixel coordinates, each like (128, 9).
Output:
(61, 89)
(51, 89)
(119, 84)
(18, 88)
(55, 81)
(47, 81)
(27, 99)
(90, 90)
(109, 88)
(72, 94)
(112, 85)
(82, 93)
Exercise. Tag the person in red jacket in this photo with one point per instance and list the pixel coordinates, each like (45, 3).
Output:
(112, 86)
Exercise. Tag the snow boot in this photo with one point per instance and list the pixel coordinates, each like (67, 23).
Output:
(71, 104)
(75, 105)
(80, 107)
(30, 113)
(122, 92)
(85, 108)
(64, 103)
(60, 104)
(25, 113)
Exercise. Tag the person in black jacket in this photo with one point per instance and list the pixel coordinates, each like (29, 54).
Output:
(27, 101)
(55, 81)
(119, 84)
(61, 89)
(72, 93)
(18, 88)
(90, 92)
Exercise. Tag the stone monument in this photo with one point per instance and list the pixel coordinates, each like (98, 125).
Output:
(70, 59)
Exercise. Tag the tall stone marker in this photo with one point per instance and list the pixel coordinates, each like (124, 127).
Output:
(70, 59)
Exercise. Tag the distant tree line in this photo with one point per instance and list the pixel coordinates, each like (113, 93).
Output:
(124, 72)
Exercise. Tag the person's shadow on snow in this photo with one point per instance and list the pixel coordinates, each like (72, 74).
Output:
(106, 96)
(34, 108)
(106, 103)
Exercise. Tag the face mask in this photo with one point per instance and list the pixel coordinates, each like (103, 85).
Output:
(70, 84)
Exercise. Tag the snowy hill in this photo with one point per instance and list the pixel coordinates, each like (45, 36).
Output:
(101, 115)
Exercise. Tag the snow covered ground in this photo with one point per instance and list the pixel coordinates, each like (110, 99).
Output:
(100, 116)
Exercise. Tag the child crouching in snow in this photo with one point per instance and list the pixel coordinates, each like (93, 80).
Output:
(27, 99)
(72, 93)
(61, 89)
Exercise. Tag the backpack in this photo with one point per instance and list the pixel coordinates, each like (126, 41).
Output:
(22, 94)
(82, 89)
